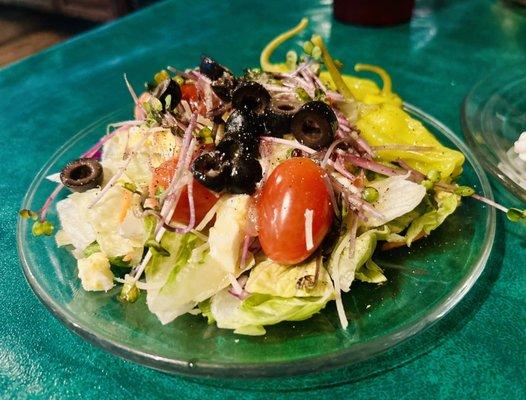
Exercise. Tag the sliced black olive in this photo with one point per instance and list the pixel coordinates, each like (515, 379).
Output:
(250, 96)
(212, 170)
(242, 123)
(245, 175)
(82, 174)
(224, 86)
(166, 88)
(314, 125)
(236, 149)
(278, 117)
(211, 68)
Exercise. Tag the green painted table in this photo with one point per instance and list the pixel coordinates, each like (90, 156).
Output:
(476, 351)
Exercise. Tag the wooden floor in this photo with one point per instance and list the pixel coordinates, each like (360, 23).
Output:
(24, 32)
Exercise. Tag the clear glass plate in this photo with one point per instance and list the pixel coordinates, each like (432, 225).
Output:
(425, 282)
(493, 117)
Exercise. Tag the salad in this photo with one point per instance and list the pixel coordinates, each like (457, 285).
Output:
(254, 199)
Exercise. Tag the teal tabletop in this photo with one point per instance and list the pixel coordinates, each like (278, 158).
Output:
(476, 351)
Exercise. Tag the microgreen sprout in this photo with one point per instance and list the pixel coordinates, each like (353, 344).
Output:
(156, 247)
(428, 184)
(291, 60)
(26, 214)
(42, 228)
(433, 175)
(464, 191)
(302, 94)
(370, 194)
(179, 80)
(516, 215)
(129, 293)
(131, 187)
(205, 135)
(307, 47)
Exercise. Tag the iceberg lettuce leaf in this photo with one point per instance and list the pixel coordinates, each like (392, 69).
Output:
(447, 203)
(176, 284)
(249, 316)
(279, 280)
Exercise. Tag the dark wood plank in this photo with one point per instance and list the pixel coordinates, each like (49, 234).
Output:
(24, 31)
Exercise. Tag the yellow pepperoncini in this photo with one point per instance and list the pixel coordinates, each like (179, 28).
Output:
(383, 122)
(388, 124)
(264, 59)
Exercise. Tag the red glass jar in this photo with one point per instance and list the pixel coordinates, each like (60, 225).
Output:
(373, 12)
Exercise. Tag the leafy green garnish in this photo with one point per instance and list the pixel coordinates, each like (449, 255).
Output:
(26, 214)
(302, 94)
(129, 293)
(42, 228)
(516, 215)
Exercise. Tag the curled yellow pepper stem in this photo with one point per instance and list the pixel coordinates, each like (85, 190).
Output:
(386, 79)
(264, 59)
(331, 67)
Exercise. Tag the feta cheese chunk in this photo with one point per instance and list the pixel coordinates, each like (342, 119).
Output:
(227, 235)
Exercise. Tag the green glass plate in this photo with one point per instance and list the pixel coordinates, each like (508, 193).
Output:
(425, 282)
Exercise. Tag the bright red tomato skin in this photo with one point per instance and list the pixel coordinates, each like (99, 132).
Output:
(189, 92)
(293, 187)
(204, 199)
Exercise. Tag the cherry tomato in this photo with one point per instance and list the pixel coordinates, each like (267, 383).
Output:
(204, 199)
(295, 186)
(189, 92)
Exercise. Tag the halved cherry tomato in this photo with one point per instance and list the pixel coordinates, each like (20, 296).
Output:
(295, 186)
(189, 92)
(204, 199)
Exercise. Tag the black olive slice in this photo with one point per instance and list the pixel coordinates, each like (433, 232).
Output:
(166, 88)
(314, 125)
(245, 175)
(234, 148)
(212, 170)
(278, 117)
(211, 69)
(250, 96)
(224, 86)
(240, 124)
(82, 174)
